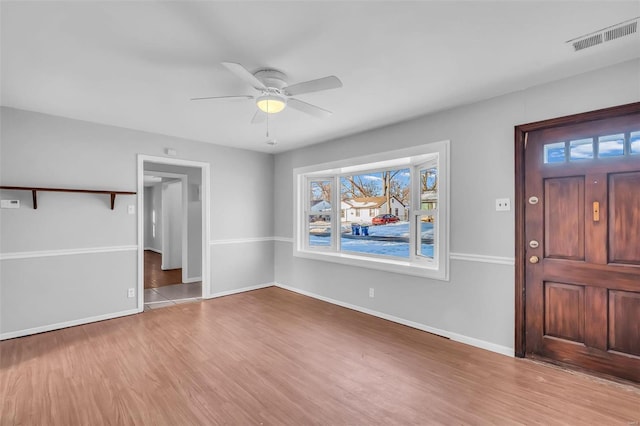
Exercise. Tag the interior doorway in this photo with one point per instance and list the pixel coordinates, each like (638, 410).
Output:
(173, 219)
(166, 228)
(577, 253)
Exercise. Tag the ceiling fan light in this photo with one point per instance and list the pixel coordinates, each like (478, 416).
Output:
(270, 104)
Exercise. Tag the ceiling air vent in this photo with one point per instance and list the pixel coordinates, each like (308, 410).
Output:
(587, 42)
(621, 31)
(604, 35)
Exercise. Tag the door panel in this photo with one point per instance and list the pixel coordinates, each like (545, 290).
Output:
(624, 218)
(564, 311)
(564, 218)
(623, 335)
(582, 246)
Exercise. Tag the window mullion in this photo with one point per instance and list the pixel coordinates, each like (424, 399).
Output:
(335, 212)
(307, 212)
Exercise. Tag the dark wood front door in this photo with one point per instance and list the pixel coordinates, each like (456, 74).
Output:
(582, 244)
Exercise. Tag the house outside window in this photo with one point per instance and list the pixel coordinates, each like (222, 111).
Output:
(319, 213)
(392, 211)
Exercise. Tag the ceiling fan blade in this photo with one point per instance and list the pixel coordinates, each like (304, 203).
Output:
(308, 108)
(242, 73)
(258, 117)
(228, 98)
(325, 83)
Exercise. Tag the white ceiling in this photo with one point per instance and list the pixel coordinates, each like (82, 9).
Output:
(137, 64)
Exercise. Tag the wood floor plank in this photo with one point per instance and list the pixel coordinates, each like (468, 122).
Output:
(154, 276)
(274, 357)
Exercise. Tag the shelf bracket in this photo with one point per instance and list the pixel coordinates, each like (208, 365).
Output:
(34, 196)
(113, 200)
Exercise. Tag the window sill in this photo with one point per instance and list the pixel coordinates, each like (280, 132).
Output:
(381, 264)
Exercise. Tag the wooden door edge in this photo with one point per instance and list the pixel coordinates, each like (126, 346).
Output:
(520, 296)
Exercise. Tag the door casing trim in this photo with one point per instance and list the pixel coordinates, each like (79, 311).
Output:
(205, 170)
(520, 137)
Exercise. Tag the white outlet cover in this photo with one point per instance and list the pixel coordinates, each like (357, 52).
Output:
(503, 204)
(131, 209)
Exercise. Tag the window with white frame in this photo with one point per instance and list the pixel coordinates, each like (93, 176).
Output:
(384, 211)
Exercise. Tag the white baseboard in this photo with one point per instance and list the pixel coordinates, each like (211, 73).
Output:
(504, 350)
(57, 326)
(192, 280)
(239, 290)
(164, 268)
(153, 250)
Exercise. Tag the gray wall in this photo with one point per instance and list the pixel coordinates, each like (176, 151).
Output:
(477, 305)
(73, 259)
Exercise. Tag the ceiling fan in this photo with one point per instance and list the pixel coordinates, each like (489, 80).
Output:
(274, 92)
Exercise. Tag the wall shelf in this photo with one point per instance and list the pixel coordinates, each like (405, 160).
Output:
(34, 192)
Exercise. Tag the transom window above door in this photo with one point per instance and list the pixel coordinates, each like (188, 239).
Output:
(595, 147)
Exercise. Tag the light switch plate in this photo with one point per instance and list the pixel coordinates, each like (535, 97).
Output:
(10, 204)
(131, 209)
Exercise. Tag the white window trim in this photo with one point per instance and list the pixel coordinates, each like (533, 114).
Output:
(402, 158)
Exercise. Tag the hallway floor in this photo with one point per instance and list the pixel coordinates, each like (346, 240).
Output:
(172, 295)
(154, 276)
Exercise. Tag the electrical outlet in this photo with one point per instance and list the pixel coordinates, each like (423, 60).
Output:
(131, 293)
(131, 209)
(503, 204)
(372, 292)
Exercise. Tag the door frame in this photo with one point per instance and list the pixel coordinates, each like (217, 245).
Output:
(205, 172)
(521, 132)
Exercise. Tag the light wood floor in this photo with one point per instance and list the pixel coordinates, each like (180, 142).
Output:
(275, 357)
(154, 276)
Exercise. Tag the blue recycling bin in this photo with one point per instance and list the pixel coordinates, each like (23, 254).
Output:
(355, 229)
(365, 230)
